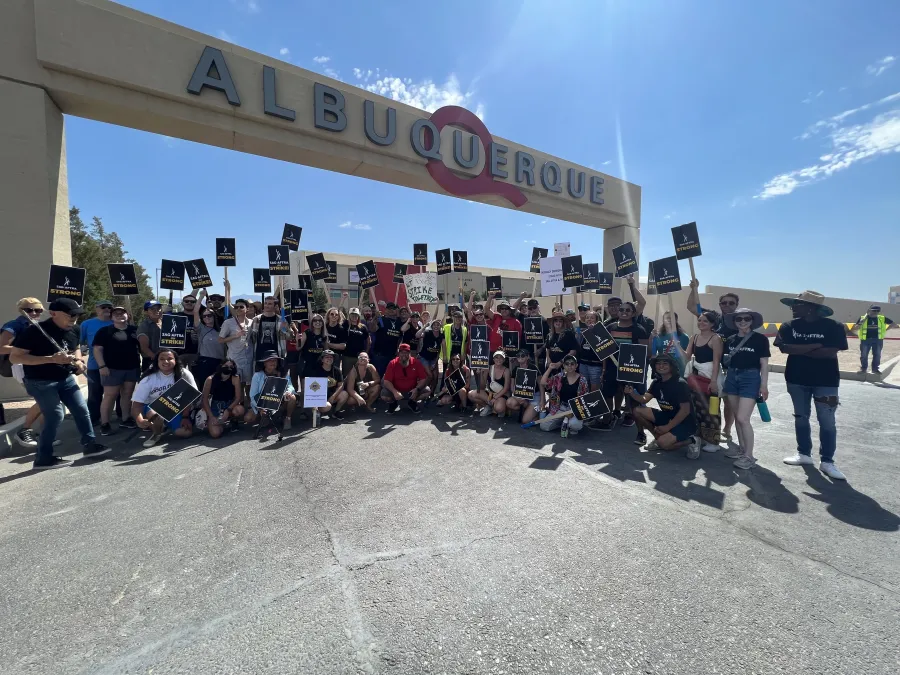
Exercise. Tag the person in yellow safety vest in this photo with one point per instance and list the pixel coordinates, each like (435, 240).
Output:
(455, 339)
(871, 328)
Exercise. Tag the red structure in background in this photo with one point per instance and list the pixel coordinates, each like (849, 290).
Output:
(387, 290)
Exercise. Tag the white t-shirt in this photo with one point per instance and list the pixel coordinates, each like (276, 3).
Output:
(150, 387)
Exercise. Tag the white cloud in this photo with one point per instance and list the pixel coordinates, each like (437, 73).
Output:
(360, 226)
(426, 94)
(737, 201)
(849, 145)
(347, 224)
(333, 74)
(835, 121)
(284, 51)
(321, 59)
(668, 216)
(249, 6)
(881, 65)
(607, 162)
(222, 35)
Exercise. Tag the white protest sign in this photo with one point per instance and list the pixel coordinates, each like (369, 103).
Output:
(552, 277)
(354, 277)
(421, 288)
(315, 392)
(563, 249)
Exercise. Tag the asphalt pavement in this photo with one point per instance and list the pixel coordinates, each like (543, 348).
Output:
(442, 544)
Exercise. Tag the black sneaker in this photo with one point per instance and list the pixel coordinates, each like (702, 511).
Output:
(26, 438)
(54, 463)
(95, 450)
(628, 420)
(392, 408)
(106, 429)
(128, 424)
(233, 426)
(641, 438)
(606, 424)
(413, 406)
(338, 414)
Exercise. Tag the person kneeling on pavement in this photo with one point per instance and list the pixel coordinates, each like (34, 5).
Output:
(562, 388)
(405, 378)
(163, 372)
(272, 367)
(337, 394)
(673, 425)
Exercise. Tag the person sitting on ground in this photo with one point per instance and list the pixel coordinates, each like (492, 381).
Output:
(164, 371)
(117, 353)
(404, 378)
(271, 367)
(499, 384)
(562, 387)
(528, 408)
(363, 384)
(337, 395)
(871, 329)
(459, 400)
(221, 401)
(673, 425)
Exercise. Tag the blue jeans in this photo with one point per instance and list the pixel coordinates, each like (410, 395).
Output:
(826, 400)
(51, 396)
(95, 394)
(865, 346)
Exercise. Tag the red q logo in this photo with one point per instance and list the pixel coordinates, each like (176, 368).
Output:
(483, 183)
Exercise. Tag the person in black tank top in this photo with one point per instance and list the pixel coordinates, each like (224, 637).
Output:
(706, 348)
(363, 384)
(222, 395)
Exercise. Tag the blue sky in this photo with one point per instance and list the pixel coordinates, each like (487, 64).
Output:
(774, 125)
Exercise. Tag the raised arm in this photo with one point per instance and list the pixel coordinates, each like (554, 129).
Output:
(639, 301)
(693, 301)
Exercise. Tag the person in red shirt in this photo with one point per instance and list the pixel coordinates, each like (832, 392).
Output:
(501, 322)
(405, 378)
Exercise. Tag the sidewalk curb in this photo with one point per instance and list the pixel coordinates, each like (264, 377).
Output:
(853, 375)
(7, 431)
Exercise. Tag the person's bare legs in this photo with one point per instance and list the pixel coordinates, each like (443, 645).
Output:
(109, 400)
(743, 409)
(32, 416)
(125, 394)
(372, 394)
(729, 415)
(500, 406)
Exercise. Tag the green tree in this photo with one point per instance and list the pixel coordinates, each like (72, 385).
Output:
(320, 300)
(93, 248)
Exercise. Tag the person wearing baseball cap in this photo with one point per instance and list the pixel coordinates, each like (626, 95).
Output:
(149, 332)
(405, 378)
(812, 342)
(532, 309)
(358, 340)
(88, 331)
(871, 329)
(497, 323)
(51, 358)
(583, 309)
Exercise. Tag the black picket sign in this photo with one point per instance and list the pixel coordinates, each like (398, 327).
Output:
(291, 236)
(318, 269)
(299, 299)
(66, 282)
(455, 381)
(262, 280)
(590, 272)
(479, 331)
(272, 393)
(603, 344)
(123, 278)
(175, 400)
(666, 275)
(536, 255)
(420, 254)
(526, 383)
(604, 283)
(305, 281)
(589, 405)
(460, 261)
(626, 262)
(651, 282)
(279, 261)
(368, 274)
(494, 286)
(481, 354)
(687, 241)
(198, 274)
(226, 255)
(173, 331)
(442, 258)
(332, 271)
(400, 271)
(511, 342)
(171, 275)
(632, 363)
(573, 275)
(533, 327)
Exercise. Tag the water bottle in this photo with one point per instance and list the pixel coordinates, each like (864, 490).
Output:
(565, 428)
(763, 408)
(713, 405)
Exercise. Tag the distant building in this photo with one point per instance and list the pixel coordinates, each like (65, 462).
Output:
(894, 295)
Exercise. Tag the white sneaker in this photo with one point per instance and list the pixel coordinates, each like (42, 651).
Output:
(798, 459)
(486, 410)
(710, 447)
(153, 440)
(287, 423)
(693, 451)
(744, 462)
(830, 470)
(652, 446)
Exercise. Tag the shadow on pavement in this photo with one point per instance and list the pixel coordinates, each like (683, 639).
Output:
(849, 505)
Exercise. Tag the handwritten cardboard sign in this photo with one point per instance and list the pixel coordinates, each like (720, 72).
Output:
(421, 287)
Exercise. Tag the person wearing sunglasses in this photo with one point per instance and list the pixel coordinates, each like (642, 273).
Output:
(235, 335)
(532, 309)
(118, 353)
(33, 308)
(747, 356)
(563, 382)
(210, 351)
(188, 355)
(312, 344)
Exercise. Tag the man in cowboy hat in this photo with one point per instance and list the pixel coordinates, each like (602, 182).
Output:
(870, 328)
(812, 341)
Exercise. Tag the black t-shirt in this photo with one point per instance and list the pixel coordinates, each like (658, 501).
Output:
(337, 335)
(356, 339)
(586, 354)
(558, 345)
(645, 322)
(192, 342)
(747, 358)
(568, 390)
(806, 370)
(37, 344)
(670, 394)
(334, 376)
(409, 336)
(121, 349)
(456, 340)
(872, 326)
(388, 336)
(268, 336)
(431, 344)
(313, 346)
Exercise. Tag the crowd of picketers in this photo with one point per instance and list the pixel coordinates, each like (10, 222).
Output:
(385, 355)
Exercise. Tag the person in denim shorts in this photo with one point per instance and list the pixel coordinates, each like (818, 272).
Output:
(747, 379)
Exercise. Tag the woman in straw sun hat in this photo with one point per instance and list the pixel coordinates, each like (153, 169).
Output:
(747, 357)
